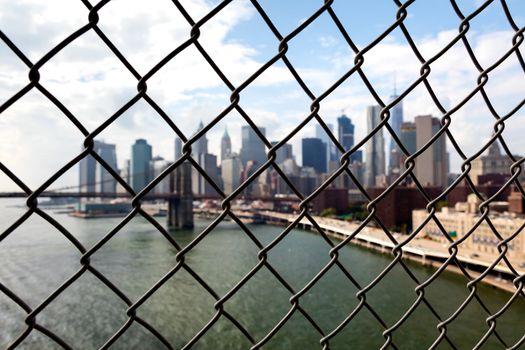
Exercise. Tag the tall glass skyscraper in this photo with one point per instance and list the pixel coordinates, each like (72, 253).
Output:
(345, 132)
(140, 158)
(374, 147)
(226, 146)
(395, 121)
(201, 145)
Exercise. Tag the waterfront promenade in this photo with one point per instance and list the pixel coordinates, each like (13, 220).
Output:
(423, 250)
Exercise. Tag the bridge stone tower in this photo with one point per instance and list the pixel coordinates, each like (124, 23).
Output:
(180, 206)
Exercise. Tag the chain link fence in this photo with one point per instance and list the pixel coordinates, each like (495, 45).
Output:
(284, 41)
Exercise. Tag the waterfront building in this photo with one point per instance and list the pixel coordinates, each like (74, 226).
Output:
(458, 221)
(157, 165)
(252, 147)
(395, 121)
(492, 163)
(394, 210)
(106, 183)
(314, 154)
(231, 172)
(374, 148)
(141, 153)
(104, 209)
(431, 165)
(331, 197)
(226, 146)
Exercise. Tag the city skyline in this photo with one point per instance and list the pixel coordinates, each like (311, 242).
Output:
(318, 153)
(95, 88)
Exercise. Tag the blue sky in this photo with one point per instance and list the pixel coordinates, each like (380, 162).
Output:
(93, 84)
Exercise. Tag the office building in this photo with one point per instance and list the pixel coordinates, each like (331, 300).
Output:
(252, 147)
(201, 145)
(93, 177)
(431, 165)
(87, 173)
(374, 148)
(231, 168)
(346, 137)
(140, 157)
(314, 154)
(320, 133)
(106, 183)
(208, 163)
(408, 136)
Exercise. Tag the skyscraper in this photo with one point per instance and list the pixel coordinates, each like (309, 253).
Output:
(87, 173)
(140, 158)
(226, 146)
(93, 177)
(231, 173)
(395, 121)
(345, 136)
(208, 163)
(374, 147)
(201, 145)
(320, 133)
(431, 165)
(408, 136)
(106, 183)
(314, 154)
(178, 147)
(252, 148)
(345, 132)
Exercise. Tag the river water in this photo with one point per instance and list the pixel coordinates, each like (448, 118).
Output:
(35, 259)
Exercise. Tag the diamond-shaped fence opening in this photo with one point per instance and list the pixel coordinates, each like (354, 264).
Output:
(405, 265)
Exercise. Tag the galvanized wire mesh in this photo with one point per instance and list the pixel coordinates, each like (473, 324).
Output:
(325, 335)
